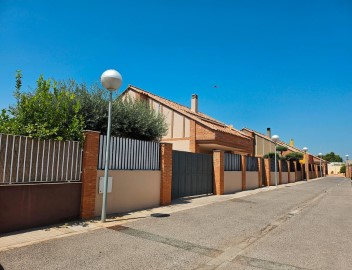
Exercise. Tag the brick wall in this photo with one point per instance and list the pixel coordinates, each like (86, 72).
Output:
(218, 163)
(166, 173)
(89, 173)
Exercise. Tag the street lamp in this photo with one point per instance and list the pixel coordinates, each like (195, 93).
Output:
(111, 80)
(306, 165)
(347, 171)
(275, 139)
(321, 172)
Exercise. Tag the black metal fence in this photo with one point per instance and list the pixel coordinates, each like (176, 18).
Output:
(284, 167)
(233, 162)
(251, 164)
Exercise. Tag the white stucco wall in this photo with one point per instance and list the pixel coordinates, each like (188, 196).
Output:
(232, 182)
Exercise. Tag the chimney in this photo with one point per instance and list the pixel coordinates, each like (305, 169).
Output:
(268, 132)
(194, 103)
(292, 143)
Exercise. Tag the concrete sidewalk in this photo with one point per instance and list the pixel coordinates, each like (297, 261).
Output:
(36, 235)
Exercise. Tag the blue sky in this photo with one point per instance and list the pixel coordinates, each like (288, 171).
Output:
(280, 64)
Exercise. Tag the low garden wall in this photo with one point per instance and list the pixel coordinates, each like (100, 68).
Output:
(232, 181)
(131, 190)
(252, 181)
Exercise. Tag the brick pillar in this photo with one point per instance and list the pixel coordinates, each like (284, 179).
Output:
(193, 146)
(306, 166)
(219, 167)
(324, 169)
(316, 171)
(89, 173)
(166, 173)
(289, 171)
(296, 173)
(244, 169)
(280, 171)
(267, 171)
(260, 172)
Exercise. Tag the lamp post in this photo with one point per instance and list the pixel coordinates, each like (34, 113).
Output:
(275, 139)
(306, 165)
(347, 171)
(321, 172)
(111, 80)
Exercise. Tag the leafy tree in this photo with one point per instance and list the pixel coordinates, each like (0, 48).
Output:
(62, 110)
(47, 112)
(332, 157)
(272, 155)
(343, 169)
(130, 118)
(294, 156)
(281, 149)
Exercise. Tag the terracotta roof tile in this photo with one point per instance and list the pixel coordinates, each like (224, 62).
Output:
(198, 117)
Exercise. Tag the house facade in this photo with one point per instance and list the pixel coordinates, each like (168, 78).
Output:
(192, 131)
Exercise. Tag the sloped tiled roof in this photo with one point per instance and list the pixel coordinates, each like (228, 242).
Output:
(290, 147)
(198, 117)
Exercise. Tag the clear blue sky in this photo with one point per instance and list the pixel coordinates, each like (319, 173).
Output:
(280, 64)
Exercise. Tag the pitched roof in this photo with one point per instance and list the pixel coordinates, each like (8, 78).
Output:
(198, 117)
(290, 147)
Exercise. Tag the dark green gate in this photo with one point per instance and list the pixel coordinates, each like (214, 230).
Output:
(192, 174)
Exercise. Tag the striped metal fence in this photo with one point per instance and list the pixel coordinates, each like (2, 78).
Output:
(251, 164)
(129, 154)
(29, 160)
(233, 162)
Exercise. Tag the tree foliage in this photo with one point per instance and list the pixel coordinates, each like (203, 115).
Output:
(47, 112)
(281, 149)
(62, 110)
(294, 156)
(343, 168)
(332, 157)
(272, 155)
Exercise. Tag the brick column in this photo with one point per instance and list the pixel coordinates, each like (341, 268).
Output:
(295, 165)
(324, 169)
(316, 171)
(193, 146)
(89, 173)
(280, 171)
(267, 171)
(260, 172)
(219, 167)
(306, 165)
(289, 171)
(166, 173)
(244, 169)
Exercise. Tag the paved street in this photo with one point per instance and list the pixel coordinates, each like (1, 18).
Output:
(303, 226)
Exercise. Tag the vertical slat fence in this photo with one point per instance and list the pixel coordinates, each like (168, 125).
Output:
(30, 160)
(129, 154)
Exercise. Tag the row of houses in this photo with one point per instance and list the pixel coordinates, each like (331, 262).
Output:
(192, 131)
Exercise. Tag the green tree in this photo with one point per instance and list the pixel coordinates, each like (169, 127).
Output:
(343, 169)
(294, 156)
(130, 118)
(47, 112)
(281, 149)
(62, 110)
(332, 157)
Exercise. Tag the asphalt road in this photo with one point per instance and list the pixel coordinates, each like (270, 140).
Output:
(306, 226)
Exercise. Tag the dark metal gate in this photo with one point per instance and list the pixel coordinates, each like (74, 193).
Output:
(192, 174)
